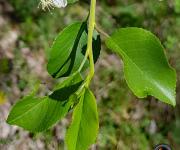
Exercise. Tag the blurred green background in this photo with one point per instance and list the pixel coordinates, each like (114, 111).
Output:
(126, 122)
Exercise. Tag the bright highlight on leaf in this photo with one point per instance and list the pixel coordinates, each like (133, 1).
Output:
(146, 68)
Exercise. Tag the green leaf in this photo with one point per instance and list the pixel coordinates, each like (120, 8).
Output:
(146, 68)
(67, 51)
(71, 1)
(84, 128)
(37, 114)
(177, 6)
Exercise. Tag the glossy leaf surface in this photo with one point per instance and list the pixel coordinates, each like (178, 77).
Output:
(84, 128)
(146, 68)
(67, 51)
(37, 114)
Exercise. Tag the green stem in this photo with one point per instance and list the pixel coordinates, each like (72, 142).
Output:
(101, 31)
(91, 27)
(89, 50)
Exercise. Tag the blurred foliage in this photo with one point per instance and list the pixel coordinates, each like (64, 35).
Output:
(2, 97)
(126, 123)
(177, 6)
(5, 65)
(24, 9)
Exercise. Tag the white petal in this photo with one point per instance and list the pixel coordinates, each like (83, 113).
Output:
(60, 3)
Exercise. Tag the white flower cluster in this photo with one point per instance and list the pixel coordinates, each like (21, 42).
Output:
(50, 4)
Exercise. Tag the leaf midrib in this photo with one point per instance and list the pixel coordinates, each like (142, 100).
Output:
(80, 121)
(40, 101)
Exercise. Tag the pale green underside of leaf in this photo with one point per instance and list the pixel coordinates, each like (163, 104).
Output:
(84, 128)
(38, 114)
(146, 68)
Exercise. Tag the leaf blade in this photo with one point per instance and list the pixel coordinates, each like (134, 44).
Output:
(144, 64)
(68, 49)
(37, 114)
(84, 128)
